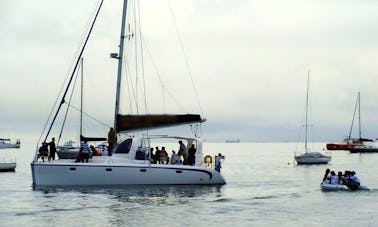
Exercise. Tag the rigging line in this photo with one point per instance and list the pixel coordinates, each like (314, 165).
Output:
(185, 57)
(73, 72)
(132, 91)
(160, 79)
(136, 60)
(142, 59)
(65, 81)
(68, 105)
(89, 116)
(354, 117)
(128, 85)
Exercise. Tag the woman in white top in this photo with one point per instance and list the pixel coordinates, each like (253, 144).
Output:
(334, 178)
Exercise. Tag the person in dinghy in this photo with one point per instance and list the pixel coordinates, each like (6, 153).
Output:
(348, 181)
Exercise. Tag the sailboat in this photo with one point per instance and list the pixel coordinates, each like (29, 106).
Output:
(8, 166)
(310, 157)
(131, 160)
(7, 143)
(349, 142)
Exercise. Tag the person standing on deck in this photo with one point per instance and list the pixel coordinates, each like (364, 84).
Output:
(52, 148)
(111, 140)
(218, 162)
(85, 151)
(182, 151)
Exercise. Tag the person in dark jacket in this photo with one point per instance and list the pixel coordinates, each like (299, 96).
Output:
(52, 148)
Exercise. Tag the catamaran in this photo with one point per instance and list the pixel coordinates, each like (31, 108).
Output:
(126, 165)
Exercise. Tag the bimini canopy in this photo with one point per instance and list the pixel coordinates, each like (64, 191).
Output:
(137, 122)
(88, 139)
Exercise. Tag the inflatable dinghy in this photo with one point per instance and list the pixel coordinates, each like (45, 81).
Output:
(339, 187)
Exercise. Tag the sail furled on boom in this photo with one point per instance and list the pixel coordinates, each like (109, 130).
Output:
(151, 121)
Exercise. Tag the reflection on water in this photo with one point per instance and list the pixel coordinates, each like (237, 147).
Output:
(132, 193)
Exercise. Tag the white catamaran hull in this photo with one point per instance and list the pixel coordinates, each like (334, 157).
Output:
(121, 174)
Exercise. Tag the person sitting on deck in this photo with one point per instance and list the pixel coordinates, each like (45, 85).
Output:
(95, 152)
(140, 155)
(43, 151)
(157, 155)
(175, 158)
(164, 159)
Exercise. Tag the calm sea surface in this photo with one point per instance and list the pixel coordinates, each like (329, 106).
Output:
(263, 188)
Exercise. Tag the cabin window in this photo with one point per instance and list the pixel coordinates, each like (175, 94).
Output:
(124, 147)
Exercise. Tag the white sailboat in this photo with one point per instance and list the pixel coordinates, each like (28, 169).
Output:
(8, 166)
(7, 143)
(309, 157)
(127, 166)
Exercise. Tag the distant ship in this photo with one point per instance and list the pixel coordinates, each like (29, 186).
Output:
(233, 140)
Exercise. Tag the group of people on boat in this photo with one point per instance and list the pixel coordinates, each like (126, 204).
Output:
(349, 178)
(47, 150)
(183, 155)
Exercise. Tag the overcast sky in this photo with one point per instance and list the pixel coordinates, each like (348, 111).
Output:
(249, 61)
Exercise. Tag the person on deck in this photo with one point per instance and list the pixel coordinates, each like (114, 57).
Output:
(182, 151)
(95, 152)
(85, 151)
(157, 155)
(52, 148)
(111, 140)
(192, 155)
(43, 151)
(164, 158)
(218, 162)
(175, 158)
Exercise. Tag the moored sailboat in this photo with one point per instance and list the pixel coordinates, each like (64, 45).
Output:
(7, 143)
(309, 157)
(131, 160)
(349, 142)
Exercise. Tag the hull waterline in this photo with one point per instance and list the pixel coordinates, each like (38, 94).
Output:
(45, 174)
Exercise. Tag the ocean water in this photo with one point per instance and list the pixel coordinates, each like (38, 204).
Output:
(263, 188)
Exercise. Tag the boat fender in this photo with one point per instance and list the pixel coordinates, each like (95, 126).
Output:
(208, 159)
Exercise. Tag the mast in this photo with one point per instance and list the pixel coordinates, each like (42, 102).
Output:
(119, 74)
(359, 117)
(354, 116)
(306, 125)
(81, 99)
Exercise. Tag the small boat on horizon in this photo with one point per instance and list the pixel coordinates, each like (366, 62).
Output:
(237, 140)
